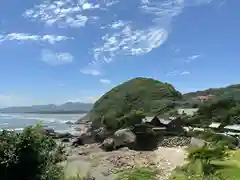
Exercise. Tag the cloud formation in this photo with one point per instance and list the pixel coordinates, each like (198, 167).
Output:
(121, 36)
(52, 39)
(178, 73)
(184, 73)
(105, 81)
(67, 13)
(53, 58)
(193, 57)
(90, 71)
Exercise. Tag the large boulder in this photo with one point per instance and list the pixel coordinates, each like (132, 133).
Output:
(77, 142)
(101, 133)
(62, 135)
(48, 131)
(108, 144)
(124, 137)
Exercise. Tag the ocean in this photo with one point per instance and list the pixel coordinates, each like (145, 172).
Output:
(17, 121)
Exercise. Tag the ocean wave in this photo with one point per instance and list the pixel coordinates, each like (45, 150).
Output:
(13, 129)
(55, 118)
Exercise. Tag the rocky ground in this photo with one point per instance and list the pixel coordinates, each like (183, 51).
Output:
(90, 159)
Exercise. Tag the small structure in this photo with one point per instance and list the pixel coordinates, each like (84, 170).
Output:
(233, 128)
(214, 125)
(159, 123)
(189, 111)
(154, 121)
(175, 125)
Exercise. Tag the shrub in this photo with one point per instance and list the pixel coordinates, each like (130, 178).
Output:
(137, 174)
(29, 155)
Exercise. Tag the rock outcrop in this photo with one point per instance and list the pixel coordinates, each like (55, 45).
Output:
(108, 144)
(124, 137)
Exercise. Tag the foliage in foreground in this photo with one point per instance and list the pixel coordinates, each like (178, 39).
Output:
(208, 163)
(29, 155)
(137, 174)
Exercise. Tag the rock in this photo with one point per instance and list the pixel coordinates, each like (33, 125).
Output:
(89, 178)
(48, 131)
(61, 135)
(101, 133)
(77, 142)
(124, 137)
(69, 123)
(65, 140)
(175, 141)
(108, 144)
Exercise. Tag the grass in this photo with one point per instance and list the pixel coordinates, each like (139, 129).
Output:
(229, 168)
(137, 174)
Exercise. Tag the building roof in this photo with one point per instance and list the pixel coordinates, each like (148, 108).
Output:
(214, 125)
(198, 129)
(165, 121)
(189, 111)
(235, 127)
(147, 119)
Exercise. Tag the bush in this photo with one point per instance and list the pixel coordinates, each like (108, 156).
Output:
(137, 174)
(29, 155)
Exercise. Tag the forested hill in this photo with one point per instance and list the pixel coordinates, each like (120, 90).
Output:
(229, 91)
(144, 94)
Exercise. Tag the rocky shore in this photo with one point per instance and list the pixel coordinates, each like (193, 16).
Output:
(101, 154)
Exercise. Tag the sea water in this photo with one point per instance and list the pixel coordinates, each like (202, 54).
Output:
(17, 121)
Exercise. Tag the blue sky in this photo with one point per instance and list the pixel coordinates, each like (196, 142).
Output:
(55, 51)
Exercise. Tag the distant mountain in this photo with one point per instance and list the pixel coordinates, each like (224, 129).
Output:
(66, 108)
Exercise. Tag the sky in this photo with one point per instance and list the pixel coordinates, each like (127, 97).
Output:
(55, 51)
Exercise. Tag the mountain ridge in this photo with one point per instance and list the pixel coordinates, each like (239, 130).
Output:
(69, 107)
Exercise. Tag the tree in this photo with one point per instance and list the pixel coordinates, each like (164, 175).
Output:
(29, 155)
(204, 156)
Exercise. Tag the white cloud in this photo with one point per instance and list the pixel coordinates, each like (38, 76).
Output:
(105, 81)
(172, 73)
(128, 42)
(191, 58)
(53, 58)
(125, 38)
(52, 39)
(185, 73)
(90, 71)
(121, 36)
(177, 73)
(66, 13)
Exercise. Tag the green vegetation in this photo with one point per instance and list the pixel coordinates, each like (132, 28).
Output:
(225, 92)
(140, 94)
(137, 174)
(29, 155)
(225, 111)
(202, 164)
(215, 139)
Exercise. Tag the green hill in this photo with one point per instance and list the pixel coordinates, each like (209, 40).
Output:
(224, 92)
(145, 94)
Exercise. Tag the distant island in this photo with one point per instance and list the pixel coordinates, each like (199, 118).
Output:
(66, 108)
